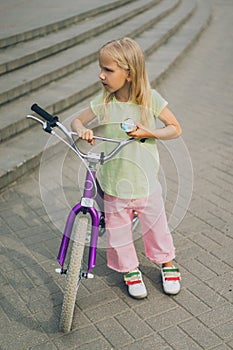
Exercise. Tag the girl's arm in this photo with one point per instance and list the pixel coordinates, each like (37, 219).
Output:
(78, 125)
(171, 129)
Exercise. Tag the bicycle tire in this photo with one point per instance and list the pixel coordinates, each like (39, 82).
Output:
(74, 276)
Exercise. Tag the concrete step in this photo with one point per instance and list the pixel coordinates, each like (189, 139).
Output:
(22, 153)
(31, 51)
(167, 55)
(53, 16)
(67, 91)
(31, 77)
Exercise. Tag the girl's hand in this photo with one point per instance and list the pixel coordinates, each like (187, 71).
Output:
(86, 134)
(78, 125)
(141, 132)
(171, 129)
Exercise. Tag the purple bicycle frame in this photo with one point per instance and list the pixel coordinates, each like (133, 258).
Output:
(95, 219)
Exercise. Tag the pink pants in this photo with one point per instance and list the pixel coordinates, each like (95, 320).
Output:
(158, 242)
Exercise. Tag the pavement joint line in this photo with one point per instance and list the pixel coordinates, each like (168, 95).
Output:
(201, 316)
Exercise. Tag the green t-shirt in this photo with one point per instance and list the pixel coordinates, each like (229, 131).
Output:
(132, 173)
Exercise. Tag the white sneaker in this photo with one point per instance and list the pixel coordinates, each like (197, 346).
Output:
(171, 280)
(136, 286)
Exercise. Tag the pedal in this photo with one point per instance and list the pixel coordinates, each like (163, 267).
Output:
(101, 231)
(102, 222)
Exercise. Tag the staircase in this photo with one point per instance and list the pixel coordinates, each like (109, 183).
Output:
(55, 65)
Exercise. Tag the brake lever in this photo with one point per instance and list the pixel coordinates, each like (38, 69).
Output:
(29, 116)
(45, 125)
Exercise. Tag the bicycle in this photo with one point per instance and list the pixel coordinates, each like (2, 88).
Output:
(73, 268)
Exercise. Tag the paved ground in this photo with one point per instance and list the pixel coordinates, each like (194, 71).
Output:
(199, 90)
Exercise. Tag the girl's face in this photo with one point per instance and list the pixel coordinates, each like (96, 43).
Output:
(114, 79)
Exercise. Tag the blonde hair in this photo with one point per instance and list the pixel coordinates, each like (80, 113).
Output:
(129, 56)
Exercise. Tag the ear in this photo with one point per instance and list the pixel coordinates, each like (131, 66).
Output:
(129, 79)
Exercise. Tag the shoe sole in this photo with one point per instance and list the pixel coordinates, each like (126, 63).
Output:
(138, 296)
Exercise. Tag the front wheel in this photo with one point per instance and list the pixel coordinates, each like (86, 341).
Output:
(74, 275)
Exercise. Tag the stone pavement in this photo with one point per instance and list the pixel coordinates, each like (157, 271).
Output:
(199, 90)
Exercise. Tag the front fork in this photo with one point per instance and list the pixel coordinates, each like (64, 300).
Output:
(95, 219)
(85, 206)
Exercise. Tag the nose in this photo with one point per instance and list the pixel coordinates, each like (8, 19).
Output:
(101, 75)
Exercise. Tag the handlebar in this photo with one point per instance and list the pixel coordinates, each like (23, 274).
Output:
(53, 121)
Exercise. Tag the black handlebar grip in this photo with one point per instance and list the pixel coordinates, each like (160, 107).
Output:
(44, 114)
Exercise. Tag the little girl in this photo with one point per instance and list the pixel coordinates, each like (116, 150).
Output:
(130, 180)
